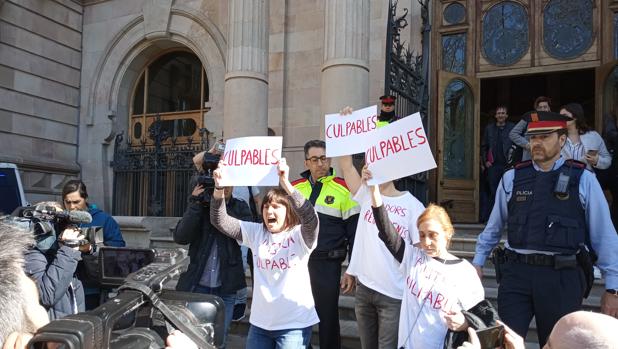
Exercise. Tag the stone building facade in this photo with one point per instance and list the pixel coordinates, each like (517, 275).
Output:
(69, 72)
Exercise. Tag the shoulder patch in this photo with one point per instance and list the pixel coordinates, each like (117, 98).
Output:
(298, 181)
(341, 182)
(523, 164)
(575, 163)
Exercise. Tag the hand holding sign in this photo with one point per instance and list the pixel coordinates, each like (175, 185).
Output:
(284, 171)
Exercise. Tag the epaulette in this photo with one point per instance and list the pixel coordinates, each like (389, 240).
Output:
(523, 164)
(575, 163)
(341, 182)
(298, 181)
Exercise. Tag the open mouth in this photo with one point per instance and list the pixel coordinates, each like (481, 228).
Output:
(272, 220)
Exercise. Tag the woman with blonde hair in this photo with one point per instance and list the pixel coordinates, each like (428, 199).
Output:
(439, 286)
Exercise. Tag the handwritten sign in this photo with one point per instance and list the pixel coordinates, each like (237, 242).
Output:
(398, 150)
(251, 161)
(345, 134)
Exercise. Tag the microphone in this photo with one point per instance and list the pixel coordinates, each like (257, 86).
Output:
(79, 217)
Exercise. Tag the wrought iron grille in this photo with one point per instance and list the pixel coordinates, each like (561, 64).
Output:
(406, 79)
(154, 180)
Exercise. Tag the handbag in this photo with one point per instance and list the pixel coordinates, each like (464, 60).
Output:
(479, 317)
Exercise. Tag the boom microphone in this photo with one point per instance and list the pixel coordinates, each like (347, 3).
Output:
(79, 217)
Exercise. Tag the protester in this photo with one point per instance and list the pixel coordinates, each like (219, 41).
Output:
(556, 212)
(583, 144)
(580, 329)
(495, 150)
(517, 134)
(438, 284)
(282, 309)
(380, 284)
(338, 215)
(75, 197)
(215, 265)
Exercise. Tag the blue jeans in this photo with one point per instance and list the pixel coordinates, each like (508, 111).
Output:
(228, 299)
(295, 338)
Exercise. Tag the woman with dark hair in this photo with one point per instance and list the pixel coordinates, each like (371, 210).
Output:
(584, 144)
(282, 311)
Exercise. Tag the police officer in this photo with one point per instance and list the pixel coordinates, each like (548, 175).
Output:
(338, 215)
(553, 208)
(387, 111)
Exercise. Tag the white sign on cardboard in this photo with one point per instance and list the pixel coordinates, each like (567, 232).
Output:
(251, 161)
(398, 150)
(346, 134)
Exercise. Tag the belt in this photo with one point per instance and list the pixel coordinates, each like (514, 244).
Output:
(556, 261)
(331, 254)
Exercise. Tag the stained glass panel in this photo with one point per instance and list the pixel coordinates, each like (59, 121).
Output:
(567, 28)
(454, 53)
(505, 33)
(454, 13)
(458, 131)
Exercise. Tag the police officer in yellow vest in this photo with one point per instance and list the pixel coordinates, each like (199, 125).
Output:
(338, 215)
(387, 111)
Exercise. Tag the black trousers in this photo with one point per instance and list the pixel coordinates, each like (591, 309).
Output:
(543, 292)
(325, 275)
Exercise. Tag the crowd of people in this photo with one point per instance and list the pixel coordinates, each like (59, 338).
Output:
(409, 290)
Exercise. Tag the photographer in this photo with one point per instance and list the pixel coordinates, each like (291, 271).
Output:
(216, 265)
(52, 265)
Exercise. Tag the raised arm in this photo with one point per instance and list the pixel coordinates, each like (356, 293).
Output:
(306, 213)
(516, 135)
(350, 175)
(386, 230)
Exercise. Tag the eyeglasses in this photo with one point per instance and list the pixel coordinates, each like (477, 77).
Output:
(315, 159)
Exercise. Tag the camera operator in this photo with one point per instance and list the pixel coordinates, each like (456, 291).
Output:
(74, 198)
(52, 265)
(216, 265)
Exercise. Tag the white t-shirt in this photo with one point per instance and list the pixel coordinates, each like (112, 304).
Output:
(433, 288)
(372, 263)
(282, 297)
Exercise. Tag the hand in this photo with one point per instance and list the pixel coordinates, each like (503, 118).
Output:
(199, 189)
(346, 111)
(283, 170)
(348, 283)
(488, 164)
(593, 160)
(479, 271)
(217, 174)
(456, 321)
(179, 340)
(17, 340)
(609, 305)
(71, 234)
(511, 339)
(366, 174)
(473, 341)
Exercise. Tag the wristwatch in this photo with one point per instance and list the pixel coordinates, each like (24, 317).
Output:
(613, 292)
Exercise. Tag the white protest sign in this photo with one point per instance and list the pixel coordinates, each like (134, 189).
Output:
(346, 134)
(398, 150)
(251, 161)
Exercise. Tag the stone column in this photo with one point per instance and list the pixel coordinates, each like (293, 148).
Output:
(345, 72)
(246, 79)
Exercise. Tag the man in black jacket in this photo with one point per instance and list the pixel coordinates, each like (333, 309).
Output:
(215, 259)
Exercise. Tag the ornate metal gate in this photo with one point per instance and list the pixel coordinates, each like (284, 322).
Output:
(154, 180)
(406, 78)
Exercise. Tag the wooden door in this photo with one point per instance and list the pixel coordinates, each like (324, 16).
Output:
(458, 146)
(606, 96)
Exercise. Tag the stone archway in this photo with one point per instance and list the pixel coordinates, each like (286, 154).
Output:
(107, 88)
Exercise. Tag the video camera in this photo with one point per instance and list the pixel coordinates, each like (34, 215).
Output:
(205, 178)
(45, 223)
(143, 313)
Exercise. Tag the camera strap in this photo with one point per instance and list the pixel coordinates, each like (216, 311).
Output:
(167, 312)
